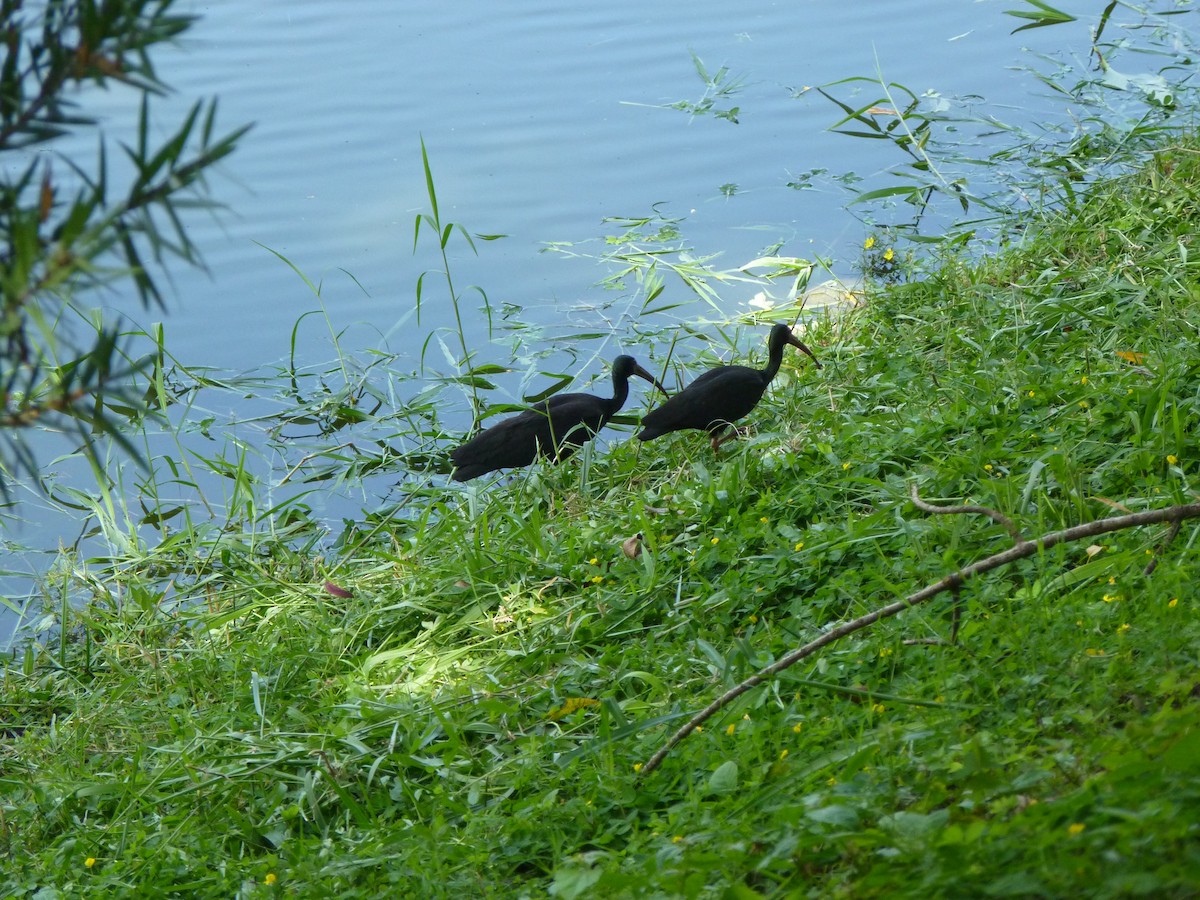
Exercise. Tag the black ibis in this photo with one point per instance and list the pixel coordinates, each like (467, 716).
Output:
(720, 396)
(555, 427)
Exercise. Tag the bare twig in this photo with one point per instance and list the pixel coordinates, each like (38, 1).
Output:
(1173, 514)
(928, 642)
(992, 514)
(1162, 548)
(955, 621)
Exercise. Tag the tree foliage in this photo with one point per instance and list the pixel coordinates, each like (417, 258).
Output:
(66, 230)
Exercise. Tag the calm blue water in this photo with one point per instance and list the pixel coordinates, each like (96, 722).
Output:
(541, 119)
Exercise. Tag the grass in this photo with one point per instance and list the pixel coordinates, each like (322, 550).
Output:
(219, 720)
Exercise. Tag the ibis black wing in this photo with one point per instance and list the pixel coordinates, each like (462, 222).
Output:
(516, 441)
(717, 397)
(555, 428)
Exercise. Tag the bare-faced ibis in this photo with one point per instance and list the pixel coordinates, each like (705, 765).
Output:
(720, 396)
(554, 428)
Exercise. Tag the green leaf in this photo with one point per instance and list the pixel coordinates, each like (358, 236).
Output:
(725, 779)
(838, 815)
(1042, 15)
(901, 190)
(574, 881)
(539, 396)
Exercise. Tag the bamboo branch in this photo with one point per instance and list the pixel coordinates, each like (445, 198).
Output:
(1173, 514)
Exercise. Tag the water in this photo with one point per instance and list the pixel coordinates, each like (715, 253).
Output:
(540, 121)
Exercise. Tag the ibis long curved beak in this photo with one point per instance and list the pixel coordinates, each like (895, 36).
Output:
(642, 373)
(799, 345)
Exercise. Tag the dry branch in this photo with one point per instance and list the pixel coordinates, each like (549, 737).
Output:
(992, 514)
(1162, 548)
(1173, 514)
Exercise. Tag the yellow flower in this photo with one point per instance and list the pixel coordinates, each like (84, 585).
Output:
(1112, 579)
(677, 839)
(799, 546)
(869, 243)
(1090, 652)
(1172, 458)
(845, 466)
(796, 728)
(763, 519)
(1032, 394)
(1083, 404)
(878, 708)
(1075, 828)
(271, 878)
(753, 619)
(597, 579)
(987, 467)
(1123, 628)
(1172, 603)
(889, 254)
(732, 727)
(1109, 598)
(715, 541)
(1083, 380)
(593, 561)
(89, 862)
(637, 767)
(570, 705)
(885, 651)
(831, 781)
(783, 753)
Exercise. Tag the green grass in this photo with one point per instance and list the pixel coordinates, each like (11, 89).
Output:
(472, 719)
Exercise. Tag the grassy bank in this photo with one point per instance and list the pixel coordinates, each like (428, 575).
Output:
(473, 718)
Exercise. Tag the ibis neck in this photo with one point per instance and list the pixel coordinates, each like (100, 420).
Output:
(620, 394)
(774, 360)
